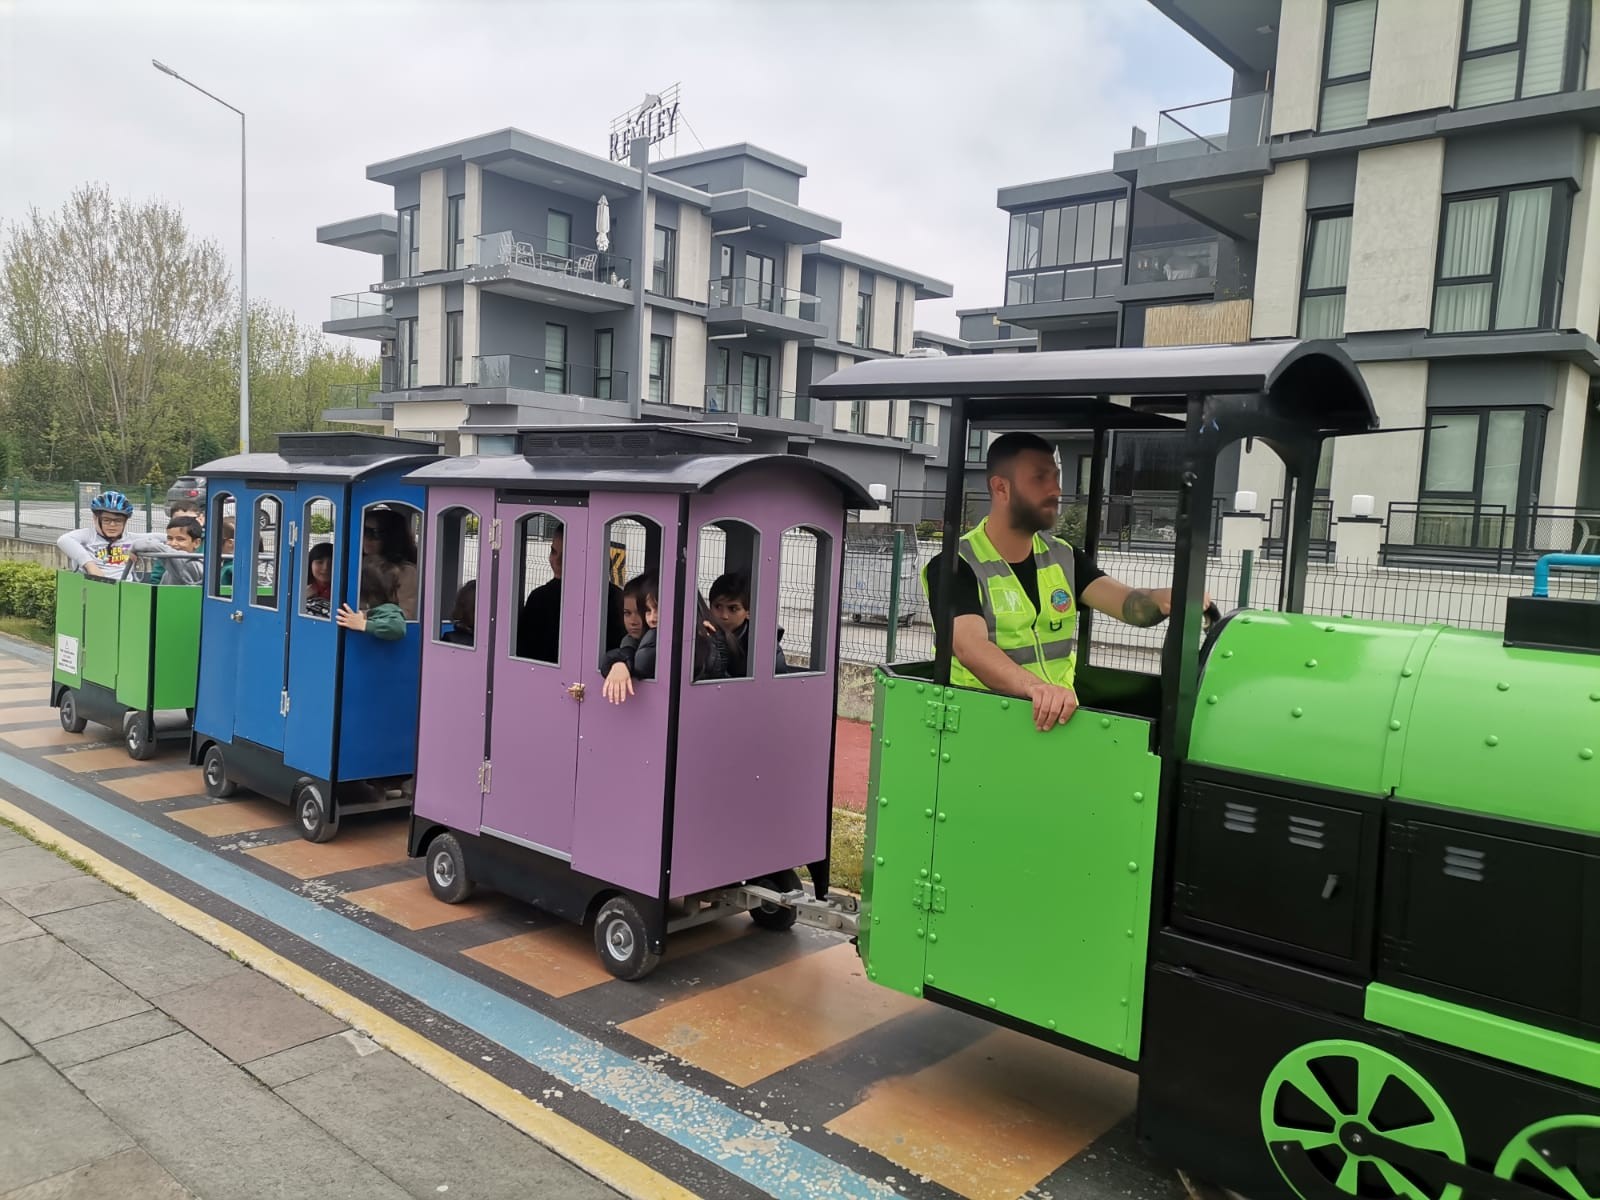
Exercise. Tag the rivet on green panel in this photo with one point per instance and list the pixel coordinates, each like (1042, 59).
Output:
(938, 878)
(1491, 740)
(932, 751)
(1503, 686)
(885, 743)
(1311, 662)
(872, 974)
(1124, 1002)
(949, 693)
(1227, 654)
(944, 757)
(1406, 672)
(1595, 696)
(917, 990)
(879, 860)
(1395, 726)
(923, 871)
(1004, 705)
(941, 816)
(1211, 699)
(877, 920)
(1297, 711)
(890, 683)
(1133, 868)
(1245, 620)
(1586, 754)
(921, 687)
(920, 933)
(1138, 797)
(927, 812)
(873, 727)
(883, 802)
(1105, 722)
(1329, 628)
(992, 1002)
(929, 979)
(1050, 1024)
(1129, 932)
(933, 937)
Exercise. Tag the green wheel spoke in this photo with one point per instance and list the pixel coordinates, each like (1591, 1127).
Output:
(1561, 1177)
(1349, 1175)
(1300, 1077)
(1399, 1183)
(1306, 1139)
(1429, 1135)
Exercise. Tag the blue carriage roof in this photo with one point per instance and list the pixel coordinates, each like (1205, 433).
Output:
(327, 455)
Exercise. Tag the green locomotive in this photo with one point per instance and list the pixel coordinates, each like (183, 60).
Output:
(1330, 886)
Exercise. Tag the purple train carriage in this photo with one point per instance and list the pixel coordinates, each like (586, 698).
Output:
(697, 796)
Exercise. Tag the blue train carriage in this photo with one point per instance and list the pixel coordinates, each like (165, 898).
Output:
(290, 704)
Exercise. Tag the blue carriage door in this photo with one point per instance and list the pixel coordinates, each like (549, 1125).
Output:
(316, 533)
(539, 655)
(261, 579)
(220, 618)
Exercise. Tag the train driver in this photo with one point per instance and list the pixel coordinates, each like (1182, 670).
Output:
(1018, 588)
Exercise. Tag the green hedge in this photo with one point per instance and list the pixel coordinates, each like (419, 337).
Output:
(28, 590)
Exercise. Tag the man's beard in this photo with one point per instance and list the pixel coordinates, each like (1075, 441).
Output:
(1033, 518)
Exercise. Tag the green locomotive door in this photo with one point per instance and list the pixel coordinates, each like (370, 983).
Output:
(1027, 893)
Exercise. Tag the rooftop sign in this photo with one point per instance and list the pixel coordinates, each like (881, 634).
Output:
(653, 120)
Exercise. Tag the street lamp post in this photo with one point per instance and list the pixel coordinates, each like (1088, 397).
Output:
(244, 288)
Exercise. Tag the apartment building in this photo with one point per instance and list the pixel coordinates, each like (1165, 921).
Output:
(1413, 177)
(524, 282)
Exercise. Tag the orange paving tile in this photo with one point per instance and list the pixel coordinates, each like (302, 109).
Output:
(227, 817)
(160, 785)
(28, 714)
(748, 1030)
(93, 760)
(17, 685)
(34, 739)
(350, 850)
(994, 1119)
(410, 903)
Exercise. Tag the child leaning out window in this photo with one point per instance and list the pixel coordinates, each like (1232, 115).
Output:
(380, 613)
(635, 658)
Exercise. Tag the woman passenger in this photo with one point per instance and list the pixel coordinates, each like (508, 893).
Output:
(386, 534)
(319, 585)
(464, 615)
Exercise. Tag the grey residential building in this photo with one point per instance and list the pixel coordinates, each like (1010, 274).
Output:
(1413, 177)
(717, 297)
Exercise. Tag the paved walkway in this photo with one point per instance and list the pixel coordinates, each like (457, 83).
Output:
(139, 1063)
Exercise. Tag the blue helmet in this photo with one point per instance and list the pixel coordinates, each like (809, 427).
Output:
(112, 502)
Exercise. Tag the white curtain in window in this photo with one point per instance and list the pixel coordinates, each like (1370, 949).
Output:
(1350, 38)
(1488, 80)
(1502, 458)
(1523, 260)
(1322, 316)
(1547, 47)
(1330, 253)
(1344, 106)
(1468, 250)
(1492, 23)
(1452, 452)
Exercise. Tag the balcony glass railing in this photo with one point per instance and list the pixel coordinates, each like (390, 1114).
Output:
(736, 291)
(1214, 126)
(511, 248)
(749, 401)
(356, 304)
(356, 395)
(551, 375)
(1191, 258)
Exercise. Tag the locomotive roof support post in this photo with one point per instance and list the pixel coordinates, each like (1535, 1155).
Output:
(1180, 665)
(955, 494)
(1093, 522)
(1300, 460)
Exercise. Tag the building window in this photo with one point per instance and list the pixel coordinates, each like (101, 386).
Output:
(1516, 48)
(917, 429)
(1347, 69)
(663, 261)
(858, 416)
(899, 310)
(410, 243)
(863, 318)
(975, 446)
(1477, 474)
(1499, 261)
(1067, 253)
(604, 353)
(555, 358)
(455, 238)
(1327, 272)
(760, 286)
(660, 369)
(452, 348)
(405, 352)
(755, 384)
(558, 233)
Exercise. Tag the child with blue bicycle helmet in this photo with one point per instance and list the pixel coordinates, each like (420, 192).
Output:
(104, 550)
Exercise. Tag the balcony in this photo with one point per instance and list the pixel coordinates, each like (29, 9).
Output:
(360, 314)
(1213, 127)
(741, 305)
(552, 376)
(564, 274)
(1221, 322)
(1208, 162)
(738, 400)
(1191, 258)
(1464, 533)
(357, 404)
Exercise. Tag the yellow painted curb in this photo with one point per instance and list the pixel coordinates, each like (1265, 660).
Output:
(572, 1142)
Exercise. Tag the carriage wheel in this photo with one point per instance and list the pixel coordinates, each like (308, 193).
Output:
(622, 940)
(311, 815)
(138, 734)
(447, 869)
(1546, 1155)
(215, 770)
(777, 917)
(1321, 1090)
(70, 720)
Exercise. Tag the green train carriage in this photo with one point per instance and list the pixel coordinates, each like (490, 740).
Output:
(1330, 886)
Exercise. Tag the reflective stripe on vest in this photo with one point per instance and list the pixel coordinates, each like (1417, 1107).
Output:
(1042, 641)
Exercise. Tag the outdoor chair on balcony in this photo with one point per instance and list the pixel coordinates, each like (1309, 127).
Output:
(526, 255)
(585, 266)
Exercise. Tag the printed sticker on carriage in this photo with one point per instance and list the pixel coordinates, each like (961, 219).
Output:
(66, 654)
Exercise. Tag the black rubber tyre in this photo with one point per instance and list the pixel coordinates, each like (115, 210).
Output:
(309, 807)
(138, 735)
(70, 720)
(622, 941)
(215, 770)
(447, 870)
(776, 917)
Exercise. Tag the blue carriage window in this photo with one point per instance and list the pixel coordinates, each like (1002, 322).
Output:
(536, 546)
(454, 570)
(805, 618)
(390, 534)
(220, 547)
(318, 536)
(630, 569)
(727, 640)
(266, 528)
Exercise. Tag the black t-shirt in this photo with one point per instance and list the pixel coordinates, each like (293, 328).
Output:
(539, 627)
(968, 600)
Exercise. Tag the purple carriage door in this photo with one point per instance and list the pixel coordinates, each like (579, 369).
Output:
(452, 734)
(753, 768)
(622, 755)
(538, 657)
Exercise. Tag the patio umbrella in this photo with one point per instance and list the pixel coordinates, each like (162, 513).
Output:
(602, 225)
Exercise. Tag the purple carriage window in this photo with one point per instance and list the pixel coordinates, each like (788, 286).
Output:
(455, 576)
(393, 533)
(264, 538)
(316, 571)
(536, 545)
(631, 567)
(219, 579)
(804, 614)
(729, 554)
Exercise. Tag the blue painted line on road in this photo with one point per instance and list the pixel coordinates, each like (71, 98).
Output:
(760, 1153)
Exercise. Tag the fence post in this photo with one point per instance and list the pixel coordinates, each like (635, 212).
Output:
(16, 508)
(894, 595)
(77, 505)
(1247, 559)
(148, 527)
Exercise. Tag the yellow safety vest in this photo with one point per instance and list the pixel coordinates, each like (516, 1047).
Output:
(1043, 641)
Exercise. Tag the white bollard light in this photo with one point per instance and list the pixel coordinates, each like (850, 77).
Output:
(1244, 502)
(1361, 505)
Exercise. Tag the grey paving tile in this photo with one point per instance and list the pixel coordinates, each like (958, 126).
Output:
(14, 926)
(28, 864)
(275, 1070)
(130, 1175)
(247, 1016)
(11, 1046)
(220, 1133)
(139, 947)
(50, 1127)
(48, 990)
(431, 1140)
(10, 839)
(110, 1038)
(40, 898)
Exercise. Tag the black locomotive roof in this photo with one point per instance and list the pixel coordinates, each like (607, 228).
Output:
(326, 455)
(1313, 384)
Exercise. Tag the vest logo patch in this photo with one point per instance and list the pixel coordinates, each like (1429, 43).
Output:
(1059, 600)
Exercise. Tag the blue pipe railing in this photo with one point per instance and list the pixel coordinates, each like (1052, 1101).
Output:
(1541, 571)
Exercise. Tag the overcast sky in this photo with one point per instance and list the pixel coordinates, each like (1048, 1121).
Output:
(908, 113)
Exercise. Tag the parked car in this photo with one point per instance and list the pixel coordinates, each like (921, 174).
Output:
(188, 488)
